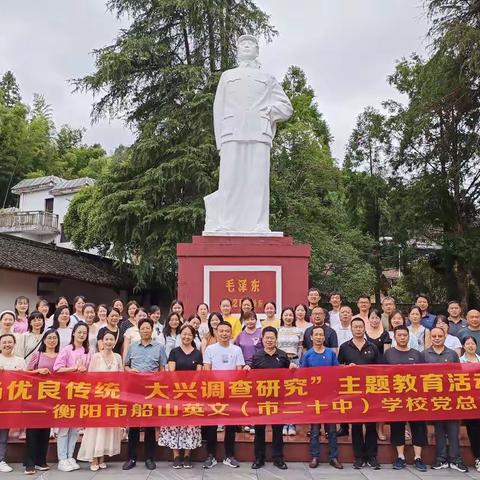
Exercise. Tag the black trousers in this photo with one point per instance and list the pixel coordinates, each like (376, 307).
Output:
(364, 446)
(277, 442)
(418, 429)
(36, 446)
(148, 440)
(473, 432)
(345, 426)
(228, 442)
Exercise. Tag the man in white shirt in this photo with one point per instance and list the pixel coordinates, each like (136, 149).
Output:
(336, 303)
(222, 356)
(344, 332)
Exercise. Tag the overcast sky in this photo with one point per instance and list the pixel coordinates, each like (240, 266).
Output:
(346, 47)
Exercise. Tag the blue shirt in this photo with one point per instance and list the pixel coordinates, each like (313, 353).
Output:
(146, 358)
(311, 358)
(428, 320)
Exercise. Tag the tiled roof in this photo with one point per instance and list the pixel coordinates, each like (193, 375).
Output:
(69, 185)
(28, 256)
(39, 183)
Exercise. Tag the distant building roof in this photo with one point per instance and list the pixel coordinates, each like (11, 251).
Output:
(28, 256)
(71, 186)
(391, 274)
(39, 183)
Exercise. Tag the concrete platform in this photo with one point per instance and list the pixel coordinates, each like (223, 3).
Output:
(296, 471)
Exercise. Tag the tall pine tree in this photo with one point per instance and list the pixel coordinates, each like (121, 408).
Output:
(160, 75)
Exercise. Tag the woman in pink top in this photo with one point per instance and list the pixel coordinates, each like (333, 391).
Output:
(75, 357)
(41, 362)
(21, 312)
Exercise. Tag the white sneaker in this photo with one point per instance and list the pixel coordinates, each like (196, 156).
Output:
(65, 466)
(5, 467)
(73, 463)
(477, 464)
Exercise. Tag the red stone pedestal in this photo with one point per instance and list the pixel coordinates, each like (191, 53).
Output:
(263, 268)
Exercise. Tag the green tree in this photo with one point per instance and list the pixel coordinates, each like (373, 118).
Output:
(9, 90)
(160, 75)
(366, 181)
(455, 29)
(439, 154)
(307, 200)
(30, 145)
(14, 154)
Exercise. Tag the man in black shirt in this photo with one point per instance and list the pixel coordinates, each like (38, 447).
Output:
(401, 354)
(358, 351)
(318, 320)
(269, 357)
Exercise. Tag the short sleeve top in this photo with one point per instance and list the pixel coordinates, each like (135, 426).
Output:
(185, 361)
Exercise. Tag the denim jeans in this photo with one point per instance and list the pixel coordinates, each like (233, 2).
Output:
(66, 441)
(3, 444)
(315, 440)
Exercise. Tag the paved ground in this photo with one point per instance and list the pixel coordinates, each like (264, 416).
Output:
(296, 471)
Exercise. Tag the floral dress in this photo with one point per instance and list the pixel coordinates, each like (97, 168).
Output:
(185, 437)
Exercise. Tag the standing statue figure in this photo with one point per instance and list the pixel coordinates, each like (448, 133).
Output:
(248, 104)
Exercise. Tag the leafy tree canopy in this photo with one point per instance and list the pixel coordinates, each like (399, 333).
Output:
(31, 146)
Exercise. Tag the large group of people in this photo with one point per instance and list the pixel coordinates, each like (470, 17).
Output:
(127, 337)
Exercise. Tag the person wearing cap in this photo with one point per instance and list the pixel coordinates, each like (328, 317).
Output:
(248, 104)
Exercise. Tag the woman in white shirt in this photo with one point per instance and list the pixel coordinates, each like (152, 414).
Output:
(170, 332)
(61, 302)
(90, 315)
(290, 340)
(132, 334)
(395, 319)
(63, 325)
(8, 361)
(78, 305)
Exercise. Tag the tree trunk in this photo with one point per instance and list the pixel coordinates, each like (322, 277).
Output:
(212, 57)
(226, 32)
(187, 46)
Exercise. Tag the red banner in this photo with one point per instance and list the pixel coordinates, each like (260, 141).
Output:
(311, 395)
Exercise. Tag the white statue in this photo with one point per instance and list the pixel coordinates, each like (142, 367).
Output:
(248, 104)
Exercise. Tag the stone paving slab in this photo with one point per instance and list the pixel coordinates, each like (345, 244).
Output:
(296, 471)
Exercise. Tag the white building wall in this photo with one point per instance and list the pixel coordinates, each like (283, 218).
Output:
(34, 200)
(60, 207)
(13, 284)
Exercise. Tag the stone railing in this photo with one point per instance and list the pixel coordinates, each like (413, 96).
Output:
(32, 221)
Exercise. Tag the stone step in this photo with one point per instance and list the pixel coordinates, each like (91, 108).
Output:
(296, 449)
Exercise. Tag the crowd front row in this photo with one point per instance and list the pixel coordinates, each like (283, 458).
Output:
(269, 347)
